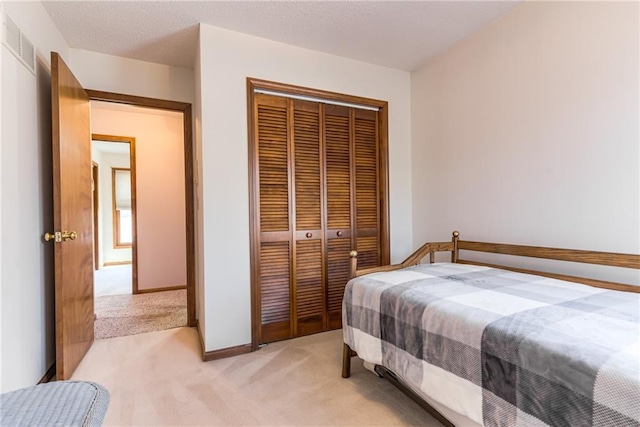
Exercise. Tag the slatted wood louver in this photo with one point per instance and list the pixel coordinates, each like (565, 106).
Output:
(275, 249)
(317, 199)
(339, 205)
(366, 177)
(309, 287)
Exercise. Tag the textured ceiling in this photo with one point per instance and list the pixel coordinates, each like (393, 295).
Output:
(396, 34)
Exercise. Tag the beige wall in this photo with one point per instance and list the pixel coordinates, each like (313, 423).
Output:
(160, 186)
(226, 59)
(527, 132)
(110, 73)
(27, 341)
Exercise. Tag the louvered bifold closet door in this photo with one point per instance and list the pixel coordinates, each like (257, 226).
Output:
(275, 251)
(309, 277)
(367, 189)
(337, 138)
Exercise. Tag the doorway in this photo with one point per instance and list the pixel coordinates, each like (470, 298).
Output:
(185, 108)
(144, 227)
(114, 212)
(72, 210)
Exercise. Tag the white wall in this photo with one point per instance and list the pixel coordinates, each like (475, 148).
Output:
(227, 58)
(2, 54)
(201, 295)
(27, 335)
(110, 73)
(160, 188)
(527, 132)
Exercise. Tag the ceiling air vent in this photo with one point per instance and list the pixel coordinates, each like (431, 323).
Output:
(15, 40)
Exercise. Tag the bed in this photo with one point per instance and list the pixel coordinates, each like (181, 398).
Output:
(498, 346)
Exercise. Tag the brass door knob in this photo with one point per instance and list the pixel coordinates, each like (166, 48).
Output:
(339, 233)
(49, 237)
(309, 235)
(60, 236)
(69, 235)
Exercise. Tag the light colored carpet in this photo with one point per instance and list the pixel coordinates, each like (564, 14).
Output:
(113, 280)
(159, 379)
(120, 315)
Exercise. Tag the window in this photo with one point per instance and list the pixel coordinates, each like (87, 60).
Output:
(121, 200)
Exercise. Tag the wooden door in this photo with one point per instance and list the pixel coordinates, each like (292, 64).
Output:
(318, 191)
(274, 213)
(309, 287)
(367, 227)
(338, 187)
(72, 213)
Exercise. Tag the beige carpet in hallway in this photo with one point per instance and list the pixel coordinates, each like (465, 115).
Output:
(120, 315)
(158, 379)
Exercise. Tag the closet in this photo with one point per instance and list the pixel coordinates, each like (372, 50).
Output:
(318, 190)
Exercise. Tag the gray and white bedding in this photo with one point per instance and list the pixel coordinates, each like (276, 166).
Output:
(499, 347)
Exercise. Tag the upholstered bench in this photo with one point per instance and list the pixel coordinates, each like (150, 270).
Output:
(60, 403)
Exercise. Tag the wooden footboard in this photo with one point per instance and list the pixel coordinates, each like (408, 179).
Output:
(572, 255)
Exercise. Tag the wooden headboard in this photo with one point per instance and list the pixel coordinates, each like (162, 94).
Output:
(455, 245)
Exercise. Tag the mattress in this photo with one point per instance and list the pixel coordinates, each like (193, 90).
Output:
(499, 347)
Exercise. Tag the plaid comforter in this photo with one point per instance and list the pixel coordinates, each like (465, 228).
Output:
(502, 348)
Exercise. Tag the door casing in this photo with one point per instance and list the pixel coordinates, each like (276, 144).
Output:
(132, 165)
(184, 108)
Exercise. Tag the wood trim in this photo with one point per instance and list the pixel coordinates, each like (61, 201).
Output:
(254, 83)
(201, 339)
(186, 110)
(111, 138)
(190, 214)
(95, 175)
(49, 375)
(383, 179)
(114, 263)
(254, 212)
(223, 353)
(168, 288)
(139, 101)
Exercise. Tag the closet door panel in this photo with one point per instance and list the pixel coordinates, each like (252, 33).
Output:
(338, 167)
(337, 277)
(309, 265)
(317, 190)
(273, 164)
(275, 275)
(367, 204)
(337, 139)
(309, 287)
(275, 250)
(308, 178)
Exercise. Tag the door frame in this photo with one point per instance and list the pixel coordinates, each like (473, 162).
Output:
(185, 109)
(276, 88)
(95, 174)
(134, 224)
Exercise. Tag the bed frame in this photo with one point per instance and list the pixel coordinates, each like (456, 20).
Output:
(454, 246)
